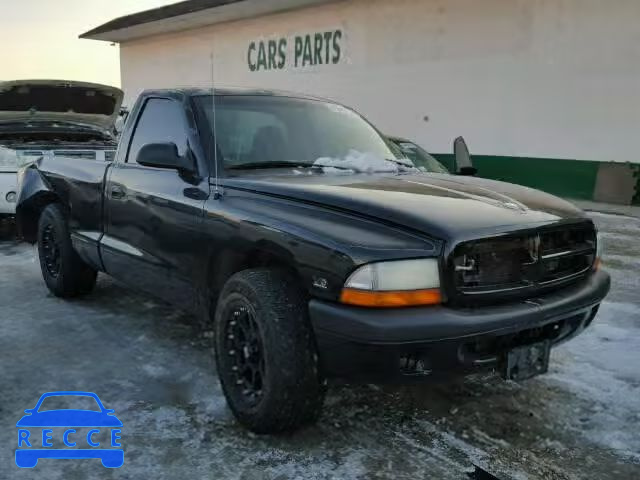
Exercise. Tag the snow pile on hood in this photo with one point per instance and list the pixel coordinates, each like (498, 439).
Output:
(338, 171)
(356, 161)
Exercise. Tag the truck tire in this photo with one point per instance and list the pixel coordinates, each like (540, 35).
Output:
(64, 272)
(265, 352)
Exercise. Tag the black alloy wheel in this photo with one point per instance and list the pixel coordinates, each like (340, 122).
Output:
(265, 350)
(243, 344)
(64, 272)
(51, 251)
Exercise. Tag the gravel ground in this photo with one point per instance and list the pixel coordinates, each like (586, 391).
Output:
(148, 362)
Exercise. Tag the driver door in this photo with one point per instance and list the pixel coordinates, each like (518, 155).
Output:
(153, 216)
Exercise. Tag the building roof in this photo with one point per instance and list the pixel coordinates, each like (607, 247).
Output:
(188, 14)
(154, 14)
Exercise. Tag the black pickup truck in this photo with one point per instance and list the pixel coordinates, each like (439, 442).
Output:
(314, 248)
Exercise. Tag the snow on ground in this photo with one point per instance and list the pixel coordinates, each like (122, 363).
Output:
(603, 366)
(150, 364)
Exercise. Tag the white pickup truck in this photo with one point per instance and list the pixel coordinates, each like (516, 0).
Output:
(51, 118)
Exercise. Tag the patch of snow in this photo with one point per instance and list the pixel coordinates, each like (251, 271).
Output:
(609, 216)
(437, 453)
(356, 161)
(449, 449)
(624, 260)
(155, 371)
(351, 465)
(554, 445)
(621, 234)
(489, 439)
(337, 171)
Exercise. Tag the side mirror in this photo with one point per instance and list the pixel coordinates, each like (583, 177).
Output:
(463, 159)
(164, 155)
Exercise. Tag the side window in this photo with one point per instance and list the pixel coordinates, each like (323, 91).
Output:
(161, 121)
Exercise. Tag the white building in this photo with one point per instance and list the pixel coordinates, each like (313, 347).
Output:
(524, 81)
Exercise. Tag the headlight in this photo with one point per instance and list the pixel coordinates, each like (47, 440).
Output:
(598, 261)
(399, 283)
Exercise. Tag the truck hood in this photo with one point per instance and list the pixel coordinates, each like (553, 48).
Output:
(444, 206)
(82, 103)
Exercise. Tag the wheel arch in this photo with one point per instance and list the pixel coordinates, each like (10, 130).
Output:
(34, 194)
(28, 213)
(229, 261)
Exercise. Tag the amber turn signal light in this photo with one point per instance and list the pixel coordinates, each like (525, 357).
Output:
(386, 299)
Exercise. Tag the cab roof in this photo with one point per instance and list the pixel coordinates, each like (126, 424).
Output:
(230, 91)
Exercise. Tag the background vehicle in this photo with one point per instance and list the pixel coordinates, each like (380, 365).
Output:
(425, 162)
(53, 118)
(9, 165)
(422, 159)
(312, 249)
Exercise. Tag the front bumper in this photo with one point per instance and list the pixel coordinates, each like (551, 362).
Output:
(379, 345)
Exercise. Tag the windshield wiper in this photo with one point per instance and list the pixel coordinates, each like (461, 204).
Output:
(281, 164)
(291, 164)
(274, 164)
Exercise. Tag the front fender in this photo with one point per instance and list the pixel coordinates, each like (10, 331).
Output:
(321, 245)
(34, 193)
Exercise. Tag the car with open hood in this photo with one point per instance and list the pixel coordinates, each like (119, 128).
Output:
(313, 249)
(53, 118)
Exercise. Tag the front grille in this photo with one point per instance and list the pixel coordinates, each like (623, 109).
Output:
(522, 264)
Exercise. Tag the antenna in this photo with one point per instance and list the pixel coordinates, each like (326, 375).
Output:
(216, 190)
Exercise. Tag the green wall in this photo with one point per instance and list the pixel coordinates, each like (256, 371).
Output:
(562, 177)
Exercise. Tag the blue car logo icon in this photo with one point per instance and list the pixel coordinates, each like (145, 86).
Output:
(98, 422)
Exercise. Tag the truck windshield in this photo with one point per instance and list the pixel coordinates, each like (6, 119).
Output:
(258, 131)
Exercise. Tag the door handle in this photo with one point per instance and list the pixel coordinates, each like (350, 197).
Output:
(117, 192)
